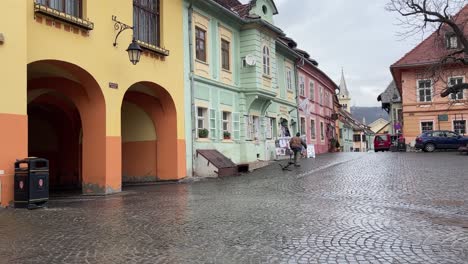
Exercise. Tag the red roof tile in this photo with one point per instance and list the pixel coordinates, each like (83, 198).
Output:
(228, 3)
(433, 48)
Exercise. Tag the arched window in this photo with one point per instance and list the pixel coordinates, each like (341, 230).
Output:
(266, 60)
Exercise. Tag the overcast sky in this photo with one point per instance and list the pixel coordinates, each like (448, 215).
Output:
(358, 35)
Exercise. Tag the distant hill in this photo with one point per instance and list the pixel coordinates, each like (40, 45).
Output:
(370, 113)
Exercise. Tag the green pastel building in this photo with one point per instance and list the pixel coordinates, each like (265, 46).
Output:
(240, 82)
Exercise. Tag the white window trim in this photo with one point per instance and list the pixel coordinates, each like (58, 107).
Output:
(206, 121)
(303, 132)
(266, 58)
(417, 91)
(420, 124)
(453, 125)
(324, 132)
(463, 91)
(315, 129)
(302, 82)
(289, 81)
(312, 98)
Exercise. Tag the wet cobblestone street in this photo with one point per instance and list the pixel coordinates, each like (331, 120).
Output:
(338, 208)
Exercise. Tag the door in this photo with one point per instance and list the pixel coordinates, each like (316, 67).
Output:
(452, 140)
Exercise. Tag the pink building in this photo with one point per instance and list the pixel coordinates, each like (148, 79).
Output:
(316, 92)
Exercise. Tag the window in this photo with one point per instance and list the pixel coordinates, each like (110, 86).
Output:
(226, 121)
(364, 138)
(255, 127)
(200, 44)
(301, 86)
(266, 60)
(357, 138)
(425, 90)
(312, 129)
(311, 91)
(225, 54)
(322, 132)
(341, 133)
(269, 122)
(427, 126)
(321, 95)
(288, 79)
(454, 81)
(202, 117)
(71, 7)
(303, 126)
(459, 126)
(451, 41)
(146, 21)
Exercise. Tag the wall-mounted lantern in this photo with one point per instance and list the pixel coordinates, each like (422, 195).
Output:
(134, 50)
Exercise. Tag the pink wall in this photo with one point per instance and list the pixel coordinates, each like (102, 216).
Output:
(319, 111)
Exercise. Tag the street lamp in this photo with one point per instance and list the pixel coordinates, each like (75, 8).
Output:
(134, 50)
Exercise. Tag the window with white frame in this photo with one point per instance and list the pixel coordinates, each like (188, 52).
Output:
(266, 60)
(326, 98)
(322, 131)
(303, 126)
(425, 90)
(202, 117)
(451, 41)
(427, 126)
(255, 127)
(288, 79)
(312, 129)
(454, 81)
(269, 127)
(226, 122)
(320, 95)
(311, 91)
(459, 126)
(301, 86)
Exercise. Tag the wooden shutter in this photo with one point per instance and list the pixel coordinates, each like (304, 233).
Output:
(212, 124)
(236, 126)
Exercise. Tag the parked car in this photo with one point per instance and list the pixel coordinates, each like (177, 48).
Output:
(382, 142)
(440, 139)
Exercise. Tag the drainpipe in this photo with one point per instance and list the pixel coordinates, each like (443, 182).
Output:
(192, 84)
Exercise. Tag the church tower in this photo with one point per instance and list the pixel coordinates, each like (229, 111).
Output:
(343, 96)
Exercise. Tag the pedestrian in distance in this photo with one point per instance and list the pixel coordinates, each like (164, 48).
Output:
(296, 144)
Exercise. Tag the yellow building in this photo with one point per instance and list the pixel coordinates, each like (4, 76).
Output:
(69, 95)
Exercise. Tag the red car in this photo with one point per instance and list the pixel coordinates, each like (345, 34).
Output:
(382, 142)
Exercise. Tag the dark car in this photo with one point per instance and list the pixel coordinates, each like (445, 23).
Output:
(440, 139)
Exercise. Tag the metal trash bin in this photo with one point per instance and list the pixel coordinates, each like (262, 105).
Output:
(31, 183)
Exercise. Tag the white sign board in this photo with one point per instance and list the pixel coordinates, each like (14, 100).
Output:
(311, 151)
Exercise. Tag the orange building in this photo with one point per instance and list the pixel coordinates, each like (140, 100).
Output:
(71, 96)
(423, 107)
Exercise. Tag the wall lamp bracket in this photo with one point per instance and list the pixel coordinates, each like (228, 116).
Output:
(120, 27)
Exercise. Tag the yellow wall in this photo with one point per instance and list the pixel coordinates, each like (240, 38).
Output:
(136, 124)
(95, 53)
(13, 57)
(202, 68)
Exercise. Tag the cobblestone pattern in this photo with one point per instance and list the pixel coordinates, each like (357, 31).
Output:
(338, 208)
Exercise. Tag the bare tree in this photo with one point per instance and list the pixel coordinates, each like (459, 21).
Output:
(443, 17)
